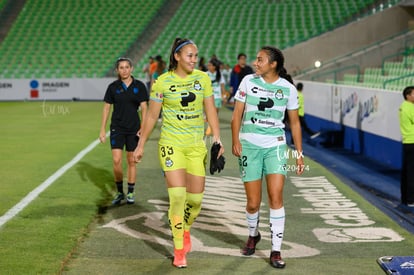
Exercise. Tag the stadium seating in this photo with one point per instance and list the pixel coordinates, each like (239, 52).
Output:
(75, 38)
(226, 28)
(393, 75)
(72, 38)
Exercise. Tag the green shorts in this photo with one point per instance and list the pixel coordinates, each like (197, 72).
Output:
(218, 102)
(192, 158)
(259, 162)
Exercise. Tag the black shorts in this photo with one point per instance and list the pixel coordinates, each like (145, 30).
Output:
(121, 140)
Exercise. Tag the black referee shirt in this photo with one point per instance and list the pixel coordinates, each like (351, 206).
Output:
(126, 102)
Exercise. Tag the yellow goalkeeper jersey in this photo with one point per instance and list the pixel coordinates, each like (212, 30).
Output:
(182, 107)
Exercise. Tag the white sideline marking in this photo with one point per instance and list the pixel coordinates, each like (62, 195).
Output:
(36, 192)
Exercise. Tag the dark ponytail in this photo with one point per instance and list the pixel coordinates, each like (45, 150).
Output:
(283, 73)
(177, 45)
(216, 65)
(276, 55)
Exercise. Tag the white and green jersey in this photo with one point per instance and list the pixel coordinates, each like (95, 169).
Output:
(216, 85)
(265, 105)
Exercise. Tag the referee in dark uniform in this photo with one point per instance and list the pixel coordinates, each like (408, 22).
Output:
(127, 95)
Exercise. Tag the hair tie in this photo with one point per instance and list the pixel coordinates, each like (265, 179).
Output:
(188, 42)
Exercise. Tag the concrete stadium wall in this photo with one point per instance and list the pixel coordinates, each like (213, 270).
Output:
(349, 38)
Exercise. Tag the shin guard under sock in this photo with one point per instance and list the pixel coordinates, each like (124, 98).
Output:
(253, 223)
(277, 227)
(177, 197)
(192, 208)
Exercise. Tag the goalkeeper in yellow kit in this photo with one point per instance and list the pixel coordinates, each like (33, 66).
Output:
(184, 94)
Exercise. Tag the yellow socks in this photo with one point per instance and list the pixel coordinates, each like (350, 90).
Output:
(192, 208)
(177, 197)
(184, 209)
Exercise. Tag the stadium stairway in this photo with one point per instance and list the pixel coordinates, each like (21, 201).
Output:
(145, 40)
(8, 14)
(376, 182)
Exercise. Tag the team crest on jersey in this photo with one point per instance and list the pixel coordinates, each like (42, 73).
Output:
(279, 94)
(168, 162)
(197, 85)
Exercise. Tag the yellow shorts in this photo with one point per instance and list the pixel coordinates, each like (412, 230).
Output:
(192, 158)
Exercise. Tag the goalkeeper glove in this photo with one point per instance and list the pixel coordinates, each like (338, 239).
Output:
(216, 164)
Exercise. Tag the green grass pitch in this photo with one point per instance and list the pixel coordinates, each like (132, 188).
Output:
(70, 228)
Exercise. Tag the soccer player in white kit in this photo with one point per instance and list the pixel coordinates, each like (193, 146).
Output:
(259, 142)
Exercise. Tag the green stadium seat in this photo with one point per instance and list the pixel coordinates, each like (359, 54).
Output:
(91, 33)
(66, 28)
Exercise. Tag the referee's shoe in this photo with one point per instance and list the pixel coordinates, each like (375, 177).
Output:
(118, 198)
(130, 198)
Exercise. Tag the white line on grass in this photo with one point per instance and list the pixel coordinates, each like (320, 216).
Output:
(36, 192)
